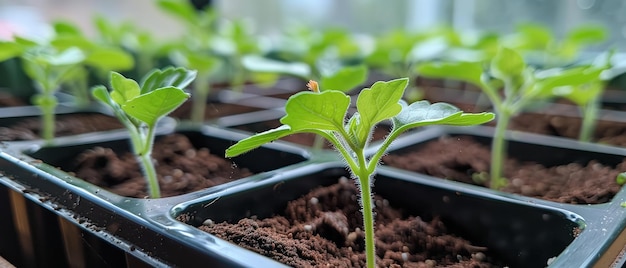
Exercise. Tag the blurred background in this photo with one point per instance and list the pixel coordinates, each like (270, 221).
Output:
(30, 17)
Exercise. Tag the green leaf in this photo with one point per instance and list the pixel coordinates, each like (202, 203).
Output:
(345, 78)
(422, 113)
(202, 62)
(67, 41)
(124, 89)
(151, 106)
(170, 77)
(179, 8)
(101, 93)
(257, 140)
(260, 64)
(9, 50)
(533, 36)
(463, 71)
(380, 102)
(321, 111)
(562, 82)
(108, 59)
(66, 28)
(507, 64)
(587, 34)
(25, 42)
(356, 133)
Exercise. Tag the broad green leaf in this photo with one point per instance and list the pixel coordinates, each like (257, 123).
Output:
(193, 60)
(24, 42)
(66, 28)
(533, 36)
(260, 64)
(345, 78)
(151, 106)
(257, 140)
(422, 113)
(170, 77)
(67, 41)
(464, 71)
(507, 64)
(573, 77)
(9, 50)
(110, 59)
(587, 34)
(322, 111)
(380, 102)
(179, 8)
(124, 89)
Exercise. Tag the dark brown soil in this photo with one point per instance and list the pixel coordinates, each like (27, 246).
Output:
(65, 124)
(212, 110)
(458, 158)
(8, 100)
(323, 229)
(607, 132)
(181, 168)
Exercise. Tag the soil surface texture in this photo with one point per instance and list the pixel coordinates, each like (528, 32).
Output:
(65, 125)
(181, 168)
(212, 110)
(323, 229)
(460, 158)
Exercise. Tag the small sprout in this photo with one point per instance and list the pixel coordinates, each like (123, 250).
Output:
(521, 84)
(140, 107)
(324, 113)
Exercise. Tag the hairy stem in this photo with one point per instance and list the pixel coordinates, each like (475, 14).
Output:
(364, 176)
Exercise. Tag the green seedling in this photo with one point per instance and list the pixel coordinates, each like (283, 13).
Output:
(230, 40)
(539, 43)
(586, 94)
(140, 107)
(48, 67)
(398, 52)
(314, 47)
(511, 86)
(147, 50)
(342, 79)
(324, 113)
(206, 66)
(100, 59)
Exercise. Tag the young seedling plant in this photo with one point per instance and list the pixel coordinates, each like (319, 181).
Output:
(324, 112)
(511, 86)
(48, 67)
(206, 65)
(99, 60)
(139, 107)
(342, 78)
